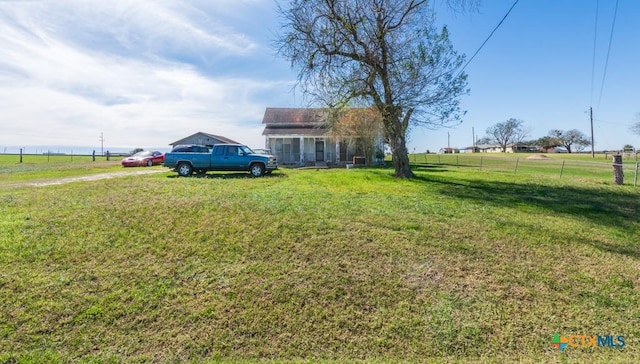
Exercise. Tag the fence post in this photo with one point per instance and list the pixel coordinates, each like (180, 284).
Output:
(618, 174)
(438, 158)
(635, 180)
(20, 155)
(562, 168)
(94, 155)
(457, 162)
(481, 163)
(515, 171)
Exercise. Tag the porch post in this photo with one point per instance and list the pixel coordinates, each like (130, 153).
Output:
(301, 149)
(338, 151)
(266, 142)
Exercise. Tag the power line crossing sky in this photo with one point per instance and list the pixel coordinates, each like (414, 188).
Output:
(147, 73)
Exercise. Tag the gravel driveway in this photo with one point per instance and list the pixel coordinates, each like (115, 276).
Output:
(92, 177)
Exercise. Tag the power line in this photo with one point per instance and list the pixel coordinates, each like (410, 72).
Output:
(610, 122)
(593, 60)
(489, 37)
(606, 63)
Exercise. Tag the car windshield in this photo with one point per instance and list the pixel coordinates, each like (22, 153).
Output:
(144, 153)
(246, 150)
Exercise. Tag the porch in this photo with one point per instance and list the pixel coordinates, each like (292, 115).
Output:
(301, 150)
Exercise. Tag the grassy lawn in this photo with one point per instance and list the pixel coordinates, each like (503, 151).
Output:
(30, 159)
(42, 167)
(319, 265)
(579, 167)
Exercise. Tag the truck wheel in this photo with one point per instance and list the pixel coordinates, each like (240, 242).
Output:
(256, 170)
(185, 169)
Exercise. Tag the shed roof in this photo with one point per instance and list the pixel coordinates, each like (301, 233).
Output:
(219, 138)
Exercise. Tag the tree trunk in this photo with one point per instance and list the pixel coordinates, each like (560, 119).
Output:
(396, 133)
(400, 157)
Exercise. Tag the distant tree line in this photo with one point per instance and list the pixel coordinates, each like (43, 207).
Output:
(513, 132)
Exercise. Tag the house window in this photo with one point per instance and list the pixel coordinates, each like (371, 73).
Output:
(343, 151)
(278, 147)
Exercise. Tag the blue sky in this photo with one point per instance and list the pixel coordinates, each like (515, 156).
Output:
(147, 73)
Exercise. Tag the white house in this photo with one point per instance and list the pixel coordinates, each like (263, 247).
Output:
(301, 136)
(511, 148)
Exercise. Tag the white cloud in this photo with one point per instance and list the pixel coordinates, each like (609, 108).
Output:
(70, 70)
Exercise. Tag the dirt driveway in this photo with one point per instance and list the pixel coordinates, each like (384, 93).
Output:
(91, 177)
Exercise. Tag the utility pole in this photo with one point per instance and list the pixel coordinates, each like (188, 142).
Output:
(473, 135)
(101, 143)
(593, 153)
(448, 140)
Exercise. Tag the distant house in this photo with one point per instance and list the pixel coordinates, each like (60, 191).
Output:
(496, 148)
(526, 148)
(553, 150)
(448, 150)
(490, 148)
(301, 136)
(203, 139)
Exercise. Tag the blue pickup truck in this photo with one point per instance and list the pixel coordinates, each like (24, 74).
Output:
(223, 157)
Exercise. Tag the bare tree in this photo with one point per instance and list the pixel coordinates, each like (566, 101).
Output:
(484, 140)
(570, 138)
(510, 132)
(635, 128)
(383, 53)
(359, 127)
(547, 142)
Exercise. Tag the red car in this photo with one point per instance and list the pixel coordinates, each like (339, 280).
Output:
(144, 158)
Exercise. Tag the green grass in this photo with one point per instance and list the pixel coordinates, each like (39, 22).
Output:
(319, 265)
(14, 159)
(576, 167)
(39, 167)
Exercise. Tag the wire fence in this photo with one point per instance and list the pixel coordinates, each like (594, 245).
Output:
(601, 169)
(597, 170)
(50, 157)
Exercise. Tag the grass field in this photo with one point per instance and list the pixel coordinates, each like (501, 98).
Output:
(14, 159)
(40, 167)
(577, 167)
(457, 264)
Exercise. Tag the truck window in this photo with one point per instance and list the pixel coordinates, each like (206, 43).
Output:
(219, 151)
(232, 150)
